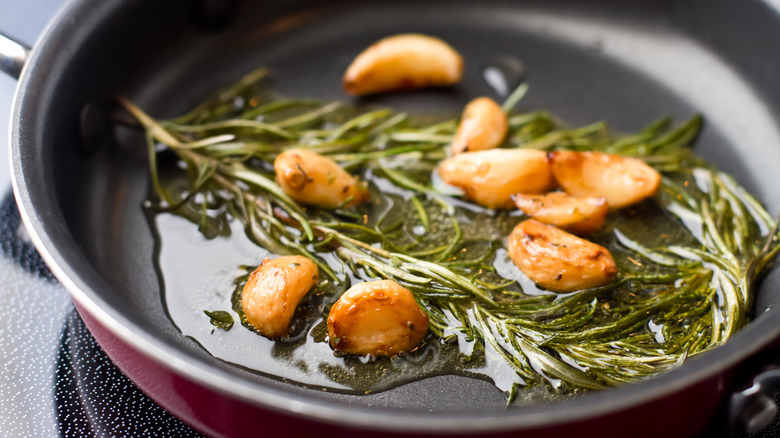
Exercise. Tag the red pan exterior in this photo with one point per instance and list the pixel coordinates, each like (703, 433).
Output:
(681, 414)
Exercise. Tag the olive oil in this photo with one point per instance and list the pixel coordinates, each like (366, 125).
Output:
(198, 272)
(688, 258)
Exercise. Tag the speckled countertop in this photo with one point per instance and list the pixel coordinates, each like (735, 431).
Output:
(54, 379)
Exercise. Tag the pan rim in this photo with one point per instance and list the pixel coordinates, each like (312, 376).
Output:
(746, 343)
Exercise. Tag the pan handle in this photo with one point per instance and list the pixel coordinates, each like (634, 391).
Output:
(13, 55)
(753, 408)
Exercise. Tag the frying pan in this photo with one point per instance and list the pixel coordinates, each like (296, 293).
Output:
(80, 182)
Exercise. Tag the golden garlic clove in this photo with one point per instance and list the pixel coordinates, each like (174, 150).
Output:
(622, 181)
(558, 261)
(379, 318)
(273, 291)
(579, 215)
(312, 179)
(490, 178)
(483, 126)
(403, 62)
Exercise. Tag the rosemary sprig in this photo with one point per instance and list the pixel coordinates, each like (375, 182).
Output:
(675, 297)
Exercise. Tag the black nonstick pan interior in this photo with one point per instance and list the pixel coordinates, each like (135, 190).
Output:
(624, 62)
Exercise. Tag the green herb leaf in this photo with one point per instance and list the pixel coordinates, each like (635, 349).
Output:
(220, 319)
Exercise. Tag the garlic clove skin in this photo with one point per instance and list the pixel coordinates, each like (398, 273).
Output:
(622, 181)
(378, 318)
(490, 178)
(273, 291)
(577, 215)
(313, 179)
(558, 261)
(483, 126)
(403, 62)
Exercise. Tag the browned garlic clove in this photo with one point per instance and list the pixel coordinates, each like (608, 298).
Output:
(490, 178)
(379, 318)
(579, 215)
(622, 181)
(402, 62)
(559, 261)
(273, 291)
(483, 126)
(312, 179)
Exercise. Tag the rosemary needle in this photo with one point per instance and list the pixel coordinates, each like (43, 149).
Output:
(695, 287)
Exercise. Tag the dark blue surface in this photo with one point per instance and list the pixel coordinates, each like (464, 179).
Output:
(95, 399)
